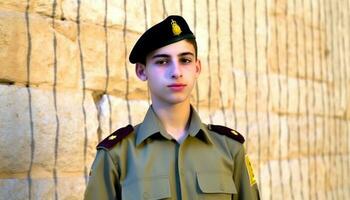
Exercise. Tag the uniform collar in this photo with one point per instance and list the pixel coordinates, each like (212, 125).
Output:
(151, 125)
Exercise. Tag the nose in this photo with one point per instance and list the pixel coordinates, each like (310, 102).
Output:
(176, 71)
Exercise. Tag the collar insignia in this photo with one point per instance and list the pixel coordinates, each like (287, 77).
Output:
(175, 28)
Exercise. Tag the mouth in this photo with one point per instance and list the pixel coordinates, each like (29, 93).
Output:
(177, 86)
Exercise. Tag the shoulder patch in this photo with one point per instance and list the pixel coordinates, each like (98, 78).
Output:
(115, 137)
(223, 130)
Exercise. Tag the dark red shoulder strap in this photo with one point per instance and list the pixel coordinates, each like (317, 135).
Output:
(223, 130)
(115, 137)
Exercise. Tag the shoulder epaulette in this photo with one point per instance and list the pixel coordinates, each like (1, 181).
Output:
(223, 130)
(115, 137)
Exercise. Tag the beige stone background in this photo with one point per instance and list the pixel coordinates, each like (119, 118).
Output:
(275, 70)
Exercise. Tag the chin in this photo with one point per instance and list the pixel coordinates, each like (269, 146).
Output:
(177, 99)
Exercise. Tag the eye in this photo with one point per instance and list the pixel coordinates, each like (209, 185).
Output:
(186, 60)
(161, 61)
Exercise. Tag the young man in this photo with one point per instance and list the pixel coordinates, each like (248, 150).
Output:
(171, 154)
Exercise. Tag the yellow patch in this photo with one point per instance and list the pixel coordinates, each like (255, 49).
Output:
(249, 166)
(112, 137)
(175, 28)
(234, 132)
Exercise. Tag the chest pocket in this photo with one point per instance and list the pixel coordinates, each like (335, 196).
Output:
(149, 188)
(215, 185)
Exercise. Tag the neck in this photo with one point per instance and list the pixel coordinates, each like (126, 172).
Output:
(174, 117)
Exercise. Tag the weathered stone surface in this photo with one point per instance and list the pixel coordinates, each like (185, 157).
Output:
(94, 12)
(100, 66)
(286, 177)
(43, 188)
(76, 131)
(14, 124)
(113, 14)
(15, 51)
(276, 71)
(43, 7)
(40, 110)
(115, 113)
(242, 91)
(9, 186)
(296, 37)
(295, 96)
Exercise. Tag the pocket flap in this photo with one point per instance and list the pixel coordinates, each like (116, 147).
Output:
(216, 182)
(147, 188)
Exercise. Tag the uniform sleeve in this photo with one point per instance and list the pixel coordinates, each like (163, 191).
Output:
(104, 179)
(244, 178)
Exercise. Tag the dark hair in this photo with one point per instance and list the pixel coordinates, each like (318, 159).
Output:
(194, 43)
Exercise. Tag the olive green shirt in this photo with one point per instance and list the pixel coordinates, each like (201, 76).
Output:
(149, 164)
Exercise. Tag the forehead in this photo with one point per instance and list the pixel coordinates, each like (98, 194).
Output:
(176, 48)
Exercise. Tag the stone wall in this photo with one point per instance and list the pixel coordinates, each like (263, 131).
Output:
(277, 71)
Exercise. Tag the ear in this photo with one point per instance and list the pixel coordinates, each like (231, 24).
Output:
(198, 67)
(140, 70)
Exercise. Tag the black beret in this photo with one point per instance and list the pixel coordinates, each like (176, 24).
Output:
(173, 29)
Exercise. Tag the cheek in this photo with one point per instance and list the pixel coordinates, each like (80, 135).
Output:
(155, 72)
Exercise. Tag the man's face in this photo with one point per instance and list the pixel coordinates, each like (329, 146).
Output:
(171, 72)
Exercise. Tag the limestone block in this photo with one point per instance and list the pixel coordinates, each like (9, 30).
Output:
(347, 112)
(94, 12)
(114, 113)
(157, 7)
(343, 136)
(70, 133)
(273, 136)
(14, 5)
(14, 189)
(247, 91)
(264, 180)
(114, 67)
(72, 187)
(100, 66)
(339, 100)
(309, 136)
(348, 109)
(39, 6)
(138, 109)
(204, 113)
(111, 15)
(274, 179)
(43, 188)
(15, 124)
(94, 61)
(135, 18)
(185, 9)
(249, 40)
(289, 179)
(75, 128)
(269, 136)
(14, 45)
(295, 96)
(304, 46)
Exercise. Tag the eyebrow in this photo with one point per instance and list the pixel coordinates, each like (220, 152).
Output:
(167, 56)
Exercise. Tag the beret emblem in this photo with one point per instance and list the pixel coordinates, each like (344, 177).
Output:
(112, 137)
(175, 28)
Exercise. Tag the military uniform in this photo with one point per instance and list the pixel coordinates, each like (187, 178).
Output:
(144, 162)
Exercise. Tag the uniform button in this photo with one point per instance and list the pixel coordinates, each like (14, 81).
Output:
(146, 195)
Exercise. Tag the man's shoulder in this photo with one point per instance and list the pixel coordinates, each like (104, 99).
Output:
(116, 137)
(226, 131)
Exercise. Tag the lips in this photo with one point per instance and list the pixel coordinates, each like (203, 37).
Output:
(177, 86)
